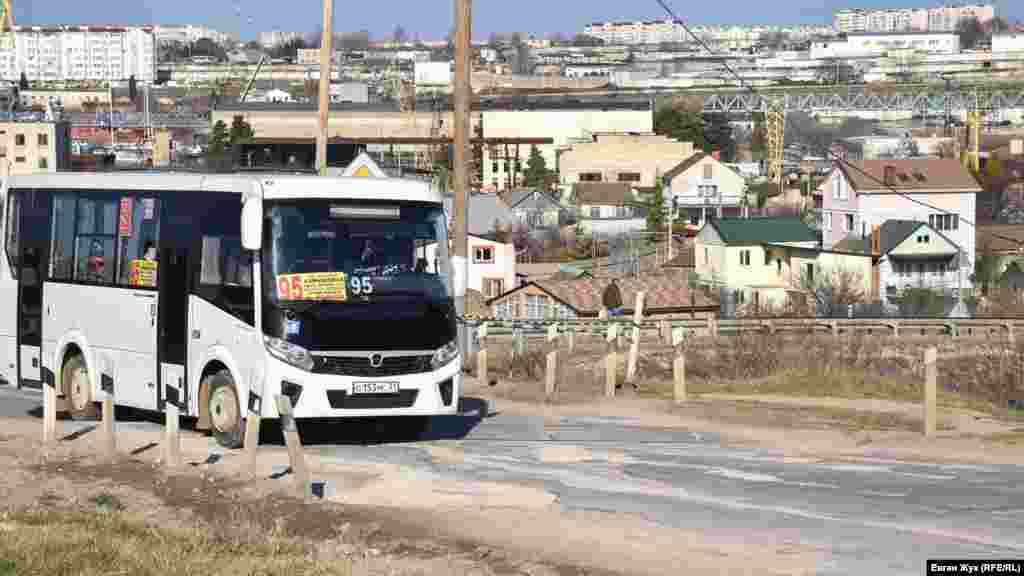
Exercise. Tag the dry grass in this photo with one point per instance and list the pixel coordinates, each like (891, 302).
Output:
(56, 542)
(1014, 437)
(978, 375)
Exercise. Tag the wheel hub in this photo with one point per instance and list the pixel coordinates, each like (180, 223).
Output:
(79, 389)
(224, 410)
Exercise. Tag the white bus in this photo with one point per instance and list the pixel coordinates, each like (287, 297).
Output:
(218, 292)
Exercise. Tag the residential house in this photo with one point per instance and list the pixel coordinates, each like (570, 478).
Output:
(492, 265)
(765, 262)
(535, 209)
(703, 186)
(635, 159)
(608, 208)
(909, 254)
(488, 214)
(580, 297)
(857, 196)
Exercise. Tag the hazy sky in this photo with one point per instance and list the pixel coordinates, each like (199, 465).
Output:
(431, 19)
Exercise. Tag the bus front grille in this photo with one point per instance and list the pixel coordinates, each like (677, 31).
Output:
(341, 400)
(360, 366)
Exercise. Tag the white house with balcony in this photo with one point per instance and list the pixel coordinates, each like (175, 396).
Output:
(492, 265)
(702, 186)
(857, 197)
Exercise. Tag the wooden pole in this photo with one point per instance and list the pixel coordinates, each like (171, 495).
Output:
(461, 177)
(172, 435)
(107, 429)
(679, 367)
(50, 415)
(325, 85)
(930, 376)
(481, 355)
(296, 458)
(634, 346)
(611, 367)
(551, 372)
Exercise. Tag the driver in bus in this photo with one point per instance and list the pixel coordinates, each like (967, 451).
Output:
(149, 254)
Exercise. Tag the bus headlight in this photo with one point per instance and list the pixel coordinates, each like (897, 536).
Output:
(291, 353)
(444, 355)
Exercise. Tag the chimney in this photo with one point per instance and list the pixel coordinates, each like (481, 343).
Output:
(876, 239)
(890, 176)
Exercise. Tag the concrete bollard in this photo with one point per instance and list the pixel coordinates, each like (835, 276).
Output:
(930, 377)
(296, 458)
(634, 346)
(572, 339)
(172, 435)
(252, 438)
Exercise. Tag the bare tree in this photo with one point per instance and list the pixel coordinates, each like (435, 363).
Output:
(826, 293)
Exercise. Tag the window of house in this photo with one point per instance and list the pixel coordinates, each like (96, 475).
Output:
(809, 272)
(44, 139)
(595, 211)
(536, 307)
(43, 163)
(629, 177)
(835, 187)
(849, 222)
(493, 287)
(590, 177)
(19, 139)
(494, 167)
(3, 151)
(483, 255)
(707, 258)
(708, 190)
(739, 297)
(709, 171)
(19, 159)
(828, 221)
(744, 257)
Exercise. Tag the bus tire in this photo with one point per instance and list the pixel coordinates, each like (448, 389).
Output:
(224, 409)
(74, 377)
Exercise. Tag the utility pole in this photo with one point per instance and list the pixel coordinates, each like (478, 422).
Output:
(461, 127)
(325, 85)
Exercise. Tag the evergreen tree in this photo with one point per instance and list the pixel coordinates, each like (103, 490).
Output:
(656, 208)
(536, 169)
(241, 132)
(219, 139)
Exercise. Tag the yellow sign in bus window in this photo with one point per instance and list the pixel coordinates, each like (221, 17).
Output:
(328, 286)
(143, 273)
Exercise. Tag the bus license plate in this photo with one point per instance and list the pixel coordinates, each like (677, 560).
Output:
(375, 388)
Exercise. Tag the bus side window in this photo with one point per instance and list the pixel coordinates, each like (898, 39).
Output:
(62, 238)
(225, 263)
(137, 249)
(13, 232)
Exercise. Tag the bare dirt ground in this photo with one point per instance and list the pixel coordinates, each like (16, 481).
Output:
(385, 519)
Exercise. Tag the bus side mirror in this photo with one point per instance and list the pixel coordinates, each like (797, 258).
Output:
(252, 224)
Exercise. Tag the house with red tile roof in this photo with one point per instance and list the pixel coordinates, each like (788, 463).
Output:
(581, 298)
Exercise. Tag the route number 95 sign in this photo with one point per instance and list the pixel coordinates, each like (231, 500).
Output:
(322, 286)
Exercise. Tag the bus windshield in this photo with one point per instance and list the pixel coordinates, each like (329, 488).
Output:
(353, 276)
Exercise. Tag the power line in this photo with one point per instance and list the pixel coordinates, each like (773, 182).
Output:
(838, 159)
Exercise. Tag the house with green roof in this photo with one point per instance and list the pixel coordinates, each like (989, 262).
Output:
(768, 262)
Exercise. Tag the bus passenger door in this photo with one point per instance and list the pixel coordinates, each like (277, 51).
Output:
(33, 255)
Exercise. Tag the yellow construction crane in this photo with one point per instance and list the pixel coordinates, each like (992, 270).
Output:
(775, 120)
(7, 16)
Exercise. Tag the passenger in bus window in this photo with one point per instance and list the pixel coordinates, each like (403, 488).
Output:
(97, 263)
(149, 253)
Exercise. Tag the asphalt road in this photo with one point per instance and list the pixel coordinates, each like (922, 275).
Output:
(879, 517)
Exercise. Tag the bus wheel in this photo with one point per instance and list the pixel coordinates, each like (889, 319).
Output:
(75, 380)
(225, 411)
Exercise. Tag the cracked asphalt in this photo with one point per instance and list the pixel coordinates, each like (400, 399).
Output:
(873, 516)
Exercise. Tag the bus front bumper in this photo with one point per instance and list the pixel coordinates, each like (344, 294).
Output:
(332, 396)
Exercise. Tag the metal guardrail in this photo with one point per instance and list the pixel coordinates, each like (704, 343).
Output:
(722, 327)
